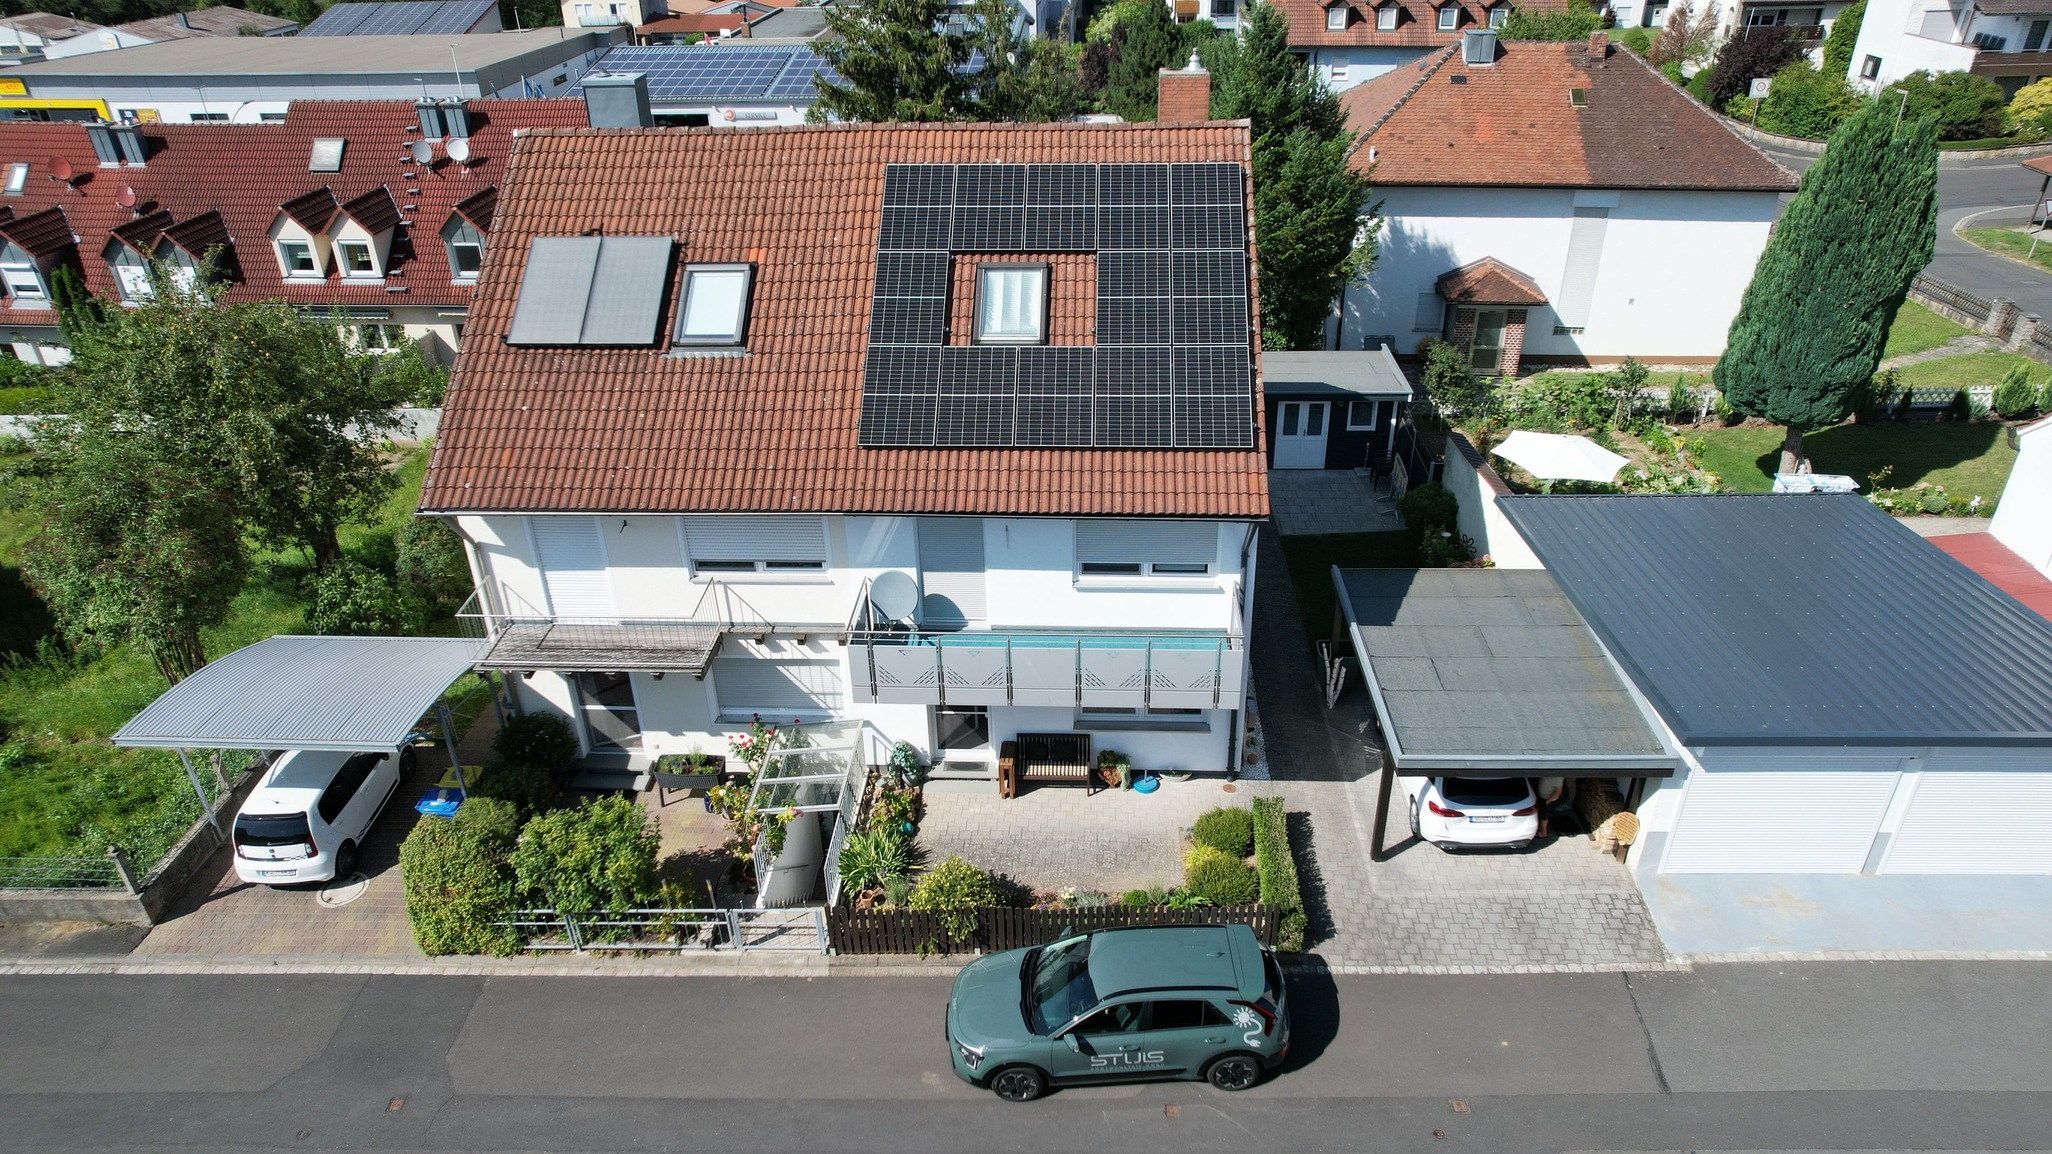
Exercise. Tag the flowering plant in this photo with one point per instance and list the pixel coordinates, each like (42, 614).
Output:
(755, 745)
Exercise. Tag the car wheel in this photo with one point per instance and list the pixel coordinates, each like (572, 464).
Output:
(1415, 831)
(345, 861)
(1233, 1072)
(1018, 1083)
(408, 759)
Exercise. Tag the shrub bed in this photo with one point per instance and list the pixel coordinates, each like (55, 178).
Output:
(1218, 877)
(1276, 868)
(458, 884)
(1227, 828)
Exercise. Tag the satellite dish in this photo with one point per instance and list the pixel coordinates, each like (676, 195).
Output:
(422, 151)
(894, 594)
(60, 169)
(458, 148)
(126, 197)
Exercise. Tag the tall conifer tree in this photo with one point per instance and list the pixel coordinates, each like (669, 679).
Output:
(895, 61)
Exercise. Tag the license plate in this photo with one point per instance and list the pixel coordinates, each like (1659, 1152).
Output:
(277, 873)
(1486, 820)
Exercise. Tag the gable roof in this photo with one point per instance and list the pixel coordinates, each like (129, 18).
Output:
(1768, 619)
(374, 210)
(1489, 281)
(313, 211)
(1417, 21)
(1443, 122)
(227, 182)
(530, 429)
(40, 234)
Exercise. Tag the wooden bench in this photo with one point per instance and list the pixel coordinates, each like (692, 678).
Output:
(1046, 758)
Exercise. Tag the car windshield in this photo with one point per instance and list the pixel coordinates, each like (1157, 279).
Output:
(272, 829)
(1483, 791)
(1058, 984)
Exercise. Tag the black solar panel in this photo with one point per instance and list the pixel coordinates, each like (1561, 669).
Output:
(1197, 227)
(1133, 321)
(901, 370)
(1133, 370)
(1133, 274)
(896, 419)
(908, 321)
(912, 274)
(1209, 321)
(1206, 184)
(727, 72)
(1209, 274)
(990, 184)
(1214, 372)
(1214, 422)
(978, 390)
(1061, 184)
(1133, 184)
(1066, 228)
(914, 228)
(1134, 421)
(988, 229)
(1143, 227)
(919, 184)
(399, 18)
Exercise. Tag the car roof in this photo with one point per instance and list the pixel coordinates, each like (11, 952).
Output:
(296, 781)
(1127, 961)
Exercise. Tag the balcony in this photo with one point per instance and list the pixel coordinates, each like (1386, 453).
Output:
(525, 638)
(2012, 64)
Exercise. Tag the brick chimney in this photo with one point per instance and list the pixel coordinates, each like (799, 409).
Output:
(1599, 46)
(1185, 94)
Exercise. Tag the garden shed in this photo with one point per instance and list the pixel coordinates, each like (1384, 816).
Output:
(1332, 410)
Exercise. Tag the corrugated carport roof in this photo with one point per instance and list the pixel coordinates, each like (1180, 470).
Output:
(1492, 669)
(344, 693)
(1796, 619)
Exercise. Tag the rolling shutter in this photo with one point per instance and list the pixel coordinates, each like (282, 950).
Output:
(1584, 255)
(572, 555)
(1980, 812)
(1148, 542)
(1786, 813)
(770, 686)
(750, 538)
(951, 570)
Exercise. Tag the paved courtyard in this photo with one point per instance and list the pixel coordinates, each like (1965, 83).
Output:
(1320, 501)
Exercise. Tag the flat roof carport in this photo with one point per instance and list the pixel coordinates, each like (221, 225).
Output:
(350, 694)
(1490, 673)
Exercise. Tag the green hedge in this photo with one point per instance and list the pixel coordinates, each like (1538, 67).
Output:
(1228, 827)
(458, 883)
(1278, 871)
(1218, 877)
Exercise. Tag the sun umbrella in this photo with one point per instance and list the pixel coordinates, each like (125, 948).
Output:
(1553, 457)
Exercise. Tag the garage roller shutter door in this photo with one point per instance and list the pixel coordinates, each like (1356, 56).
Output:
(1983, 813)
(770, 687)
(1782, 815)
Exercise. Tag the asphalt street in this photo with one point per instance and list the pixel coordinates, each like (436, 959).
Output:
(1991, 192)
(1815, 1056)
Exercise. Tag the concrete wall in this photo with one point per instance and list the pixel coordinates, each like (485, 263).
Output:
(2023, 518)
(1673, 266)
(1476, 486)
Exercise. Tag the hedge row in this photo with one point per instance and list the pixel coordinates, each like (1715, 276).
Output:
(1278, 871)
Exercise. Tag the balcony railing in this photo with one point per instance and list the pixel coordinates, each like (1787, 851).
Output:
(525, 638)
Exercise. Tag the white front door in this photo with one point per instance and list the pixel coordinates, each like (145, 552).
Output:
(1300, 434)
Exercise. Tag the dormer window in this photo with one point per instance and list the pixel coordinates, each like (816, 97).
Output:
(1386, 18)
(465, 245)
(296, 257)
(1498, 15)
(1450, 18)
(23, 279)
(357, 259)
(1011, 304)
(1336, 18)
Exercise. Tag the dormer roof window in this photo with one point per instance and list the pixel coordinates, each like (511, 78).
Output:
(1386, 16)
(1336, 16)
(363, 231)
(1450, 18)
(34, 243)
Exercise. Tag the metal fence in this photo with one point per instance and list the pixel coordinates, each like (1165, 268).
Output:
(1933, 292)
(997, 928)
(60, 873)
(801, 929)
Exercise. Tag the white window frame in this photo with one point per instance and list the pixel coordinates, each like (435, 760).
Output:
(17, 178)
(1386, 18)
(1336, 18)
(1118, 717)
(369, 252)
(1338, 72)
(131, 274)
(1374, 413)
(24, 282)
(739, 334)
(1870, 68)
(378, 336)
(756, 570)
(1449, 18)
(1498, 15)
(1036, 269)
(457, 234)
(313, 257)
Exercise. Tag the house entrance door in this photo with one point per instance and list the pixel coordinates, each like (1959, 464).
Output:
(611, 720)
(1300, 434)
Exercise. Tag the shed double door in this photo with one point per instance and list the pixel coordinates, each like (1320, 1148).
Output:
(1301, 428)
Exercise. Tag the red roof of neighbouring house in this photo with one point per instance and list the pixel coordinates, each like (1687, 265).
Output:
(1514, 123)
(227, 184)
(1489, 281)
(2008, 572)
(590, 429)
(1417, 21)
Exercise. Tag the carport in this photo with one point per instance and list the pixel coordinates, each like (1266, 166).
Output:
(346, 694)
(1490, 673)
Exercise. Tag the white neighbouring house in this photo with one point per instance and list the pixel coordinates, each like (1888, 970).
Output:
(849, 423)
(2023, 518)
(2008, 41)
(1553, 203)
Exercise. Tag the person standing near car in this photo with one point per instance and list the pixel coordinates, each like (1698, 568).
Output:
(1549, 790)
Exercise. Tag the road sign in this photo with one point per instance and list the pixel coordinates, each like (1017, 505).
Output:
(1760, 86)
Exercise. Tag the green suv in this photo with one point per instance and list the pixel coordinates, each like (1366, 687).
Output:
(1120, 1005)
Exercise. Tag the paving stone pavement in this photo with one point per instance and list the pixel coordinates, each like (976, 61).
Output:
(1562, 906)
(1317, 501)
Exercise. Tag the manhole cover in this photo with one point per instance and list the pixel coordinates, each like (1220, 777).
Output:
(342, 892)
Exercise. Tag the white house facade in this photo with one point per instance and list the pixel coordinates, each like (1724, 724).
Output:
(2009, 41)
(2023, 518)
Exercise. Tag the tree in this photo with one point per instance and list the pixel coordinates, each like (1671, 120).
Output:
(1750, 54)
(272, 406)
(2030, 110)
(1312, 220)
(79, 312)
(1148, 40)
(1965, 106)
(1807, 103)
(530, 13)
(1574, 22)
(1845, 32)
(1812, 323)
(135, 548)
(1024, 79)
(1686, 36)
(895, 62)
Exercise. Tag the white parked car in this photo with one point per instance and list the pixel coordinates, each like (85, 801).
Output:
(306, 820)
(1459, 812)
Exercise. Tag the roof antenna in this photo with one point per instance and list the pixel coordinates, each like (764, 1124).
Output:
(456, 70)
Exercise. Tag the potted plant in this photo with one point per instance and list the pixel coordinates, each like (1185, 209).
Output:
(694, 770)
(1114, 768)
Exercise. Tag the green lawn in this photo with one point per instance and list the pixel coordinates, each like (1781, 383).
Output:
(1969, 459)
(1917, 329)
(63, 789)
(1311, 560)
(2011, 242)
(1972, 369)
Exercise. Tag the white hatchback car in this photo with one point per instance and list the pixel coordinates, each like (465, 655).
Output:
(305, 821)
(1460, 812)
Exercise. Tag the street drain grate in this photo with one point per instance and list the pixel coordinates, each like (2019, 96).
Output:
(337, 894)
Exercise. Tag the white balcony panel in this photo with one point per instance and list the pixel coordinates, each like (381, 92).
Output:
(1184, 678)
(975, 674)
(906, 674)
(1043, 676)
(1114, 677)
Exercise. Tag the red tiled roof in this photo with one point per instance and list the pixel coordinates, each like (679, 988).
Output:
(1443, 122)
(2005, 570)
(701, 22)
(477, 208)
(40, 234)
(639, 430)
(2039, 164)
(1417, 22)
(313, 211)
(223, 181)
(143, 233)
(1489, 281)
(373, 210)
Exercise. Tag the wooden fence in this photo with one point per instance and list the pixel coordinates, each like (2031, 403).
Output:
(901, 931)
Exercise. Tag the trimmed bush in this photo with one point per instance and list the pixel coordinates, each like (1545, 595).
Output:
(1218, 877)
(543, 740)
(493, 818)
(1228, 828)
(1965, 106)
(600, 855)
(457, 885)
(1136, 898)
(955, 890)
(1639, 40)
(1429, 508)
(523, 787)
(2030, 110)
(1807, 103)
(1960, 408)
(1276, 867)
(2015, 396)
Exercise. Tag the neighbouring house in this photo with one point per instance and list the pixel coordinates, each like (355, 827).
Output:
(1809, 22)
(327, 210)
(29, 36)
(2023, 517)
(219, 20)
(1223, 14)
(250, 79)
(1336, 410)
(1349, 41)
(406, 18)
(728, 84)
(949, 430)
(1552, 204)
(2008, 41)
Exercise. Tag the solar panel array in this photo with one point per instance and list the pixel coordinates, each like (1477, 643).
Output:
(400, 18)
(1170, 367)
(723, 73)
